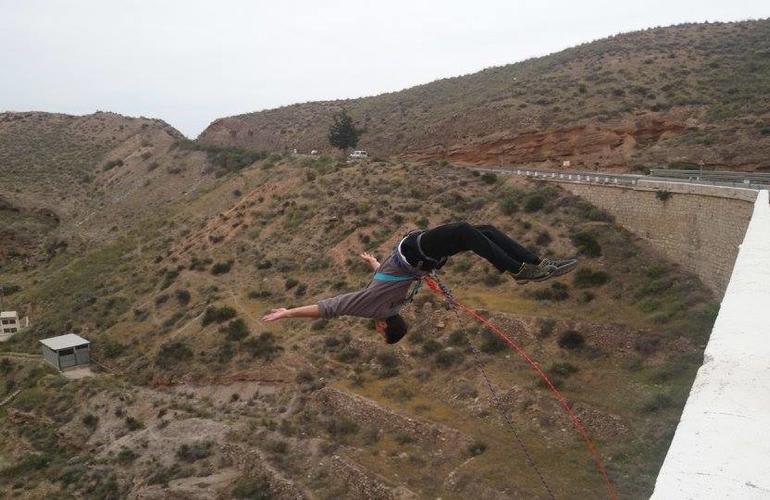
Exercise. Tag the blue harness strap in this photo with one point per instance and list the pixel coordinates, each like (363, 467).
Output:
(394, 277)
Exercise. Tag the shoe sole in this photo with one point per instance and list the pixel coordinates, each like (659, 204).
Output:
(559, 271)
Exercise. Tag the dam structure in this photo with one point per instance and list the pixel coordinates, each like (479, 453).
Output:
(721, 447)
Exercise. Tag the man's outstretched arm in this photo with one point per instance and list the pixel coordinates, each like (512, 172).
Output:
(311, 311)
(371, 260)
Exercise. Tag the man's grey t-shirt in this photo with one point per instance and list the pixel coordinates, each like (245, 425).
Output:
(379, 300)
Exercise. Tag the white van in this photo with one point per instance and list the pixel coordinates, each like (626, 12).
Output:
(359, 155)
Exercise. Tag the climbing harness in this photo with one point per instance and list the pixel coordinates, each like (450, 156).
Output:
(393, 277)
(443, 291)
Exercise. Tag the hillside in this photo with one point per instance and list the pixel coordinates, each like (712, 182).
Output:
(677, 96)
(72, 180)
(199, 399)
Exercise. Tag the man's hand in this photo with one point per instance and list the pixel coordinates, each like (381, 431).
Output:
(275, 314)
(371, 259)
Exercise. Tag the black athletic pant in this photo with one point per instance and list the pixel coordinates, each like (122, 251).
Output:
(485, 241)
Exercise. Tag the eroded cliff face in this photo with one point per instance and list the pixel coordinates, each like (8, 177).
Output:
(584, 146)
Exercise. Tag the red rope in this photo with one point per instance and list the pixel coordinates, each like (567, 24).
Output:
(440, 290)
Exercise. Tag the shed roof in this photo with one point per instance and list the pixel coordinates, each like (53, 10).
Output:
(64, 341)
(9, 314)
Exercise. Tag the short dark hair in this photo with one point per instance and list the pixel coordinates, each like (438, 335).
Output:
(395, 329)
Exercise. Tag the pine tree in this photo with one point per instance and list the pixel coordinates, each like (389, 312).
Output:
(343, 133)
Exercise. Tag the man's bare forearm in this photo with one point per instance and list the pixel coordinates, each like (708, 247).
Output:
(311, 311)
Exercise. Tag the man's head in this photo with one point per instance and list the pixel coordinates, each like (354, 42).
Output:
(393, 328)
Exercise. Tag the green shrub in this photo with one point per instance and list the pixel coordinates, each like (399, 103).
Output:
(534, 202)
(509, 205)
(431, 346)
(168, 278)
(492, 279)
(217, 314)
(647, 345)
(488, 178)
(659, 401)
(173, 353)
(388, 364)
(556, 292)
(491, 343)
(31, 462)
(562, 369)
(90, 421)
(347, 354)
(126, 456)
(457, 338)
(193, 452)
(225, 159)
(113, 349)
(112, 164)
(588, 278)
(547, 327)
(571, 340)
(7, 290)
(132, 424)
(236, 330)
(586, 244)
(291, 283)
(448, 357)
(221, 267)
(340, 427)
(585, 211)
(263, 346)
(543, 239)
(477, 448)
(278, 446)
(253, 488)
(183, 296)
(403, 438)
(663, 195)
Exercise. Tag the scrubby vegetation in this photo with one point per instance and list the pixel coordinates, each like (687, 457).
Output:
(183, 347)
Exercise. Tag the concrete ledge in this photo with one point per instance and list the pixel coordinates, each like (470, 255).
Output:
(721, 448)
(699, 189)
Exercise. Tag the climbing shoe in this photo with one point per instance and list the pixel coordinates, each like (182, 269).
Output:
(563, 266)
(534, 272)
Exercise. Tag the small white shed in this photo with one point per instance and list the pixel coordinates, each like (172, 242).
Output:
(9, 322)
(67, 350)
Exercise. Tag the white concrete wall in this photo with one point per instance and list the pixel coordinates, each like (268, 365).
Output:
(721, 448)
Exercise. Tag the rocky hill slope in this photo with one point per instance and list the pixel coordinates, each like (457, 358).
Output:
(680, 96)
(166, 261)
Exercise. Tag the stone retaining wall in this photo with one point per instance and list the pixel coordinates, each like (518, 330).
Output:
(698, 227)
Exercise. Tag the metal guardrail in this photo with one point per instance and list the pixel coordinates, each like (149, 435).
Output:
(575, 176)
(713, 175)
(737, 180)
(751, 180)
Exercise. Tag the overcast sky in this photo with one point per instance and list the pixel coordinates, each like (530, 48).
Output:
(189, 62)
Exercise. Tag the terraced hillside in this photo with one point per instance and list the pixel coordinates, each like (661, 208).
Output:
(199, 399)
(680, 95)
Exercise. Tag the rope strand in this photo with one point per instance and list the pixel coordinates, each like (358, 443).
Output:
(441, 290)
(498, 405)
